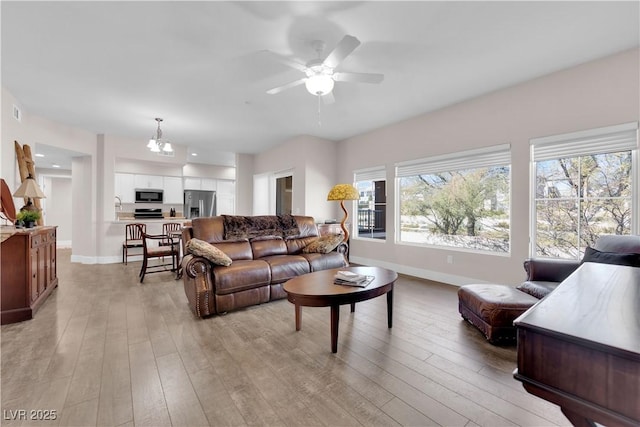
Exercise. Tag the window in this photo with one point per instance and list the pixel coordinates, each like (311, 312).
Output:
(584, 188)
(372, 205)
(458, 200)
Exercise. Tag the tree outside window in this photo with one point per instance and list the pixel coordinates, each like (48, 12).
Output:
(580, 198)
(466, 208)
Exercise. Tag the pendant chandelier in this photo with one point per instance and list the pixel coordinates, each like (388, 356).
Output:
(157, 144)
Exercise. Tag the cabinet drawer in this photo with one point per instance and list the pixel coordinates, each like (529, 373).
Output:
(36, 240)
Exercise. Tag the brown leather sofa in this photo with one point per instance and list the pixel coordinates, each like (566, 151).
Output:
(260, 263)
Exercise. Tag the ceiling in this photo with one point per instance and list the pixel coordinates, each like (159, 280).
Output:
(112, 67)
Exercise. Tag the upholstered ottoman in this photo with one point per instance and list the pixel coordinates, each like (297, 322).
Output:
(493, 308)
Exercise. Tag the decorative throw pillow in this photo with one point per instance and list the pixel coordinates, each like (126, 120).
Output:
(593, 255)
(324, 244)
(207, 250)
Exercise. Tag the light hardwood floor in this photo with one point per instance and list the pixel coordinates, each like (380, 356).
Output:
(107, 350)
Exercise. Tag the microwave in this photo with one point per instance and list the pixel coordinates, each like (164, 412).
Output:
(148, 196)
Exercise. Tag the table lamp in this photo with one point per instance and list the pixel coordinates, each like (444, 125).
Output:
(30, 190)
(343, 192)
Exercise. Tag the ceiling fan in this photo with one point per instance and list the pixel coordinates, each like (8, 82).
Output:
(321, 74)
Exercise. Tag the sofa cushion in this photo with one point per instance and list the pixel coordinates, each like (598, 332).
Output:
(201, 248)
(295, 245)
(240, 276)
(324, 244)
(209, 229)
(285, 267)
(307, 226)
(268, 246)
(628, 259)
(319, 262)
(236, 250)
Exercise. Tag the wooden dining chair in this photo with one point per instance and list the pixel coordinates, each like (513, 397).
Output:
(151, 249)
(171, 229)
(132, 239)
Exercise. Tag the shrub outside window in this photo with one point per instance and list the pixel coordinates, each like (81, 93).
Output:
(460, 200)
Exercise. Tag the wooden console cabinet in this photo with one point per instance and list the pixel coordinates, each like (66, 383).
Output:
(28, 261)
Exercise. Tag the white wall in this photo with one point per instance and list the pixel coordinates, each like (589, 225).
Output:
(313, 162)
(600, 93)
(58, 190)
(244, 184)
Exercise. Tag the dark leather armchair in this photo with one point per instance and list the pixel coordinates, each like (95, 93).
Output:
(545, 274)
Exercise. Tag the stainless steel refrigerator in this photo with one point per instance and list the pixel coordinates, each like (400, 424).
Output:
(199, 203)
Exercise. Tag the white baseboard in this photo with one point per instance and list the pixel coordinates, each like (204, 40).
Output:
(423, 273)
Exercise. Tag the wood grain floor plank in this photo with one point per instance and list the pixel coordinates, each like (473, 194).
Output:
(149, 405)
(182, 401)
(116, 404)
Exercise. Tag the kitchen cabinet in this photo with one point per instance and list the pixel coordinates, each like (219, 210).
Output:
(155, 182)
(192, 183)
(125, 187)
(173, 193)
(29, 272)
(209, 184)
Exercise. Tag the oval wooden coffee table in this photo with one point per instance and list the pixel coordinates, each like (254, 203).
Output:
(318, 290)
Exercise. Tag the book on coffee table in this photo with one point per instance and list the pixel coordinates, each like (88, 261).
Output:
(350, 278)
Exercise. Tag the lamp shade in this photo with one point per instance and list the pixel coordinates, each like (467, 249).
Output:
(29, 188)
(343, 192)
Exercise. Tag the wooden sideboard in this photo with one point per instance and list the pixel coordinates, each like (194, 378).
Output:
(29, 272)
(579, 347)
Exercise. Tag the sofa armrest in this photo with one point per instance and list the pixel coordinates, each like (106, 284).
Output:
(549, 270)
(198, 284)
(342, 248)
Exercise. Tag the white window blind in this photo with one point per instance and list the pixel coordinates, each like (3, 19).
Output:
(371, 174)
(608, 139)
(497, 155)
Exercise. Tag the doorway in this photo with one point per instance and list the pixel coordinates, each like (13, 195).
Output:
(284, 193)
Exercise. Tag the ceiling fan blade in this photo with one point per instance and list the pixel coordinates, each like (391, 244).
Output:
(328, 98)
(341, 51)
(358, 77)
(288, 61)
(285, 87)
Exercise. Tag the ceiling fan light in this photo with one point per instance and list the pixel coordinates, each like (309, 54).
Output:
(319, 84)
